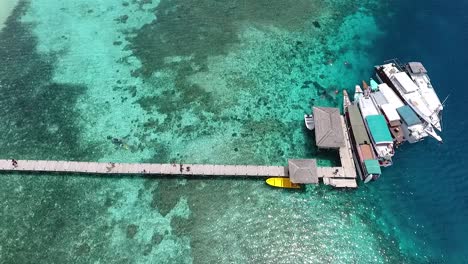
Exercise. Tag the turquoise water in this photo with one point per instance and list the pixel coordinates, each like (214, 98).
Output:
(223, 82)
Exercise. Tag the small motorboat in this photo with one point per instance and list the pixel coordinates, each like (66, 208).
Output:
(282, 182)
(369, 178)
(357, 93)
(309, 121)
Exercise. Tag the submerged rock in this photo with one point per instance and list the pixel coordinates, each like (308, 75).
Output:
(316, 24)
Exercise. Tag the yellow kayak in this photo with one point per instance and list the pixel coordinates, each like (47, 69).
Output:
(282, 183)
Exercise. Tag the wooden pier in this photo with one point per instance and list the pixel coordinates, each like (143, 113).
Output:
(141, 168)
(331, 133)
(347, 169)
(344, 176)
(346, 154)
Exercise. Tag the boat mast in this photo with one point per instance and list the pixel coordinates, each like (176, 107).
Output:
(440, 115)
(443, 103)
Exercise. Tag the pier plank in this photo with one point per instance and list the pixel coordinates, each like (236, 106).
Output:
(252, 170)
(59, 166)
(195, 169)
(153, 169)
(221, 170)
(346, 156)
(340, 183)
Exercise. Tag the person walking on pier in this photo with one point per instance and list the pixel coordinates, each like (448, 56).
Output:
(111, 166)
(14, 163)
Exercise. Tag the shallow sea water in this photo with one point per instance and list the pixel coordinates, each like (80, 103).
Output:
(222, 82)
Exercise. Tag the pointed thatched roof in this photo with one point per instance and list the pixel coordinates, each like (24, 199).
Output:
(328, 130)
(303, 171)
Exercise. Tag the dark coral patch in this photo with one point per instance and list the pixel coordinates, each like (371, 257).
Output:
(316, 24)
(132, 231)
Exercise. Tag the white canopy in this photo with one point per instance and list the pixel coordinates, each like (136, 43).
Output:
(406, 84)
(390, 112)
(390, 95)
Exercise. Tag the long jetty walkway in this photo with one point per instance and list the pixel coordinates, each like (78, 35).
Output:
(141, 168)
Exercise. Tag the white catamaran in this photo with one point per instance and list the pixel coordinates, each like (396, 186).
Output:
(415, 89)
(413, 128)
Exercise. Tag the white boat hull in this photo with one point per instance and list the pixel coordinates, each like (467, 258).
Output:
(309, 122)
(423, 101)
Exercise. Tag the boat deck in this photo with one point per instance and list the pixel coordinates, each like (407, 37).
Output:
(367, 107)
(344, 176)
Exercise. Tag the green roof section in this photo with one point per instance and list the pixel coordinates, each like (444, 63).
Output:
(378, 129)
(372, 166)
(358, 126)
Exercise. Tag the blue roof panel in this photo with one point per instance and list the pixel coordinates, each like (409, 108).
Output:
(408, 115)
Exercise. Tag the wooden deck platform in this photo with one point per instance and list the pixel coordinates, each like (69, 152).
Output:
(346, 155)
(142, 168)
(340, 183)
(344, 176)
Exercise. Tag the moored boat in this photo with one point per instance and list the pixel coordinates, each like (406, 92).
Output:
(381, 138)
(414, 129)
(309, 121)
(282, 182)
(394, 122)
(366, 162)
(389, 112)
(357, 93)
(414, 87)
(377, 129)
(418, 74)
(365, 86)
